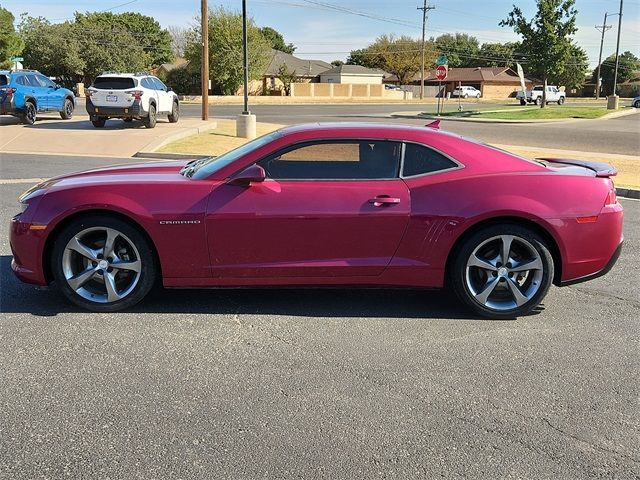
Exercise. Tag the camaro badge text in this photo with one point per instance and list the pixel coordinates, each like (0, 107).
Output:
(178, 222)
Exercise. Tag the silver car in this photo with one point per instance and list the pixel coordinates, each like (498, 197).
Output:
(466, 92)
(636, 102)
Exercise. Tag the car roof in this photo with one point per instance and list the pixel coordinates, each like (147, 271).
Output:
(124, 75)
(367, 129)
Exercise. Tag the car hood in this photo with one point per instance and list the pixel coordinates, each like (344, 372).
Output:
(155, 171)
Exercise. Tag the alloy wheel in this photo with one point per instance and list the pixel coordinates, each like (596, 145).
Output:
(504, 272)
(101, 264)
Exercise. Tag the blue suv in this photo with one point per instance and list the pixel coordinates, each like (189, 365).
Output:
(24, 93)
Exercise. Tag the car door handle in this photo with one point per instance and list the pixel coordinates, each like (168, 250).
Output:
(383, 200)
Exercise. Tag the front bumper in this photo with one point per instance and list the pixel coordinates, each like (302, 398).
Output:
(26, 240)
(134, 111)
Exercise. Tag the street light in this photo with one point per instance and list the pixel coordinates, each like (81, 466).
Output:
(245, 122)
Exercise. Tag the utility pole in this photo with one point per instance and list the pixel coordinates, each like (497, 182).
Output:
(615, 72)
(425, 8)
(602, 29)
(204, 15)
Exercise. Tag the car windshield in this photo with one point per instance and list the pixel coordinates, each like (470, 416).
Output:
(205, 167)
(537, 88)
(114, 83)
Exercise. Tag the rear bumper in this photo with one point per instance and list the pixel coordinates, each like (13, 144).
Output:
(612, 261)
(591, 249)
(134, 111)
(8, 108)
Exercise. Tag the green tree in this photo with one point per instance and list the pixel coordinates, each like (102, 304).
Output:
(276, 40)
(10, 42)
(337, 63)
(400, 56)
(287, 78)
(627, 66)
(461, 49)
(546, 38)
(499, 54)
(52, 48)
(225, 50)
(575, 70)
(146, 32)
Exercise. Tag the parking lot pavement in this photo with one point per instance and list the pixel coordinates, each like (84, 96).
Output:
(320, 383)
(78, 136)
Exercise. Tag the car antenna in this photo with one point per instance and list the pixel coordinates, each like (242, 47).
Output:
(435, 124)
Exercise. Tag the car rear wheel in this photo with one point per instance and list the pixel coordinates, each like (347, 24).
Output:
(150, 120)
(29, 114)
(103, 264)
(98, 122)
(67, 109)
(537, 101)
(636, 104)
(523, 102)
(502, 271)
(175, 113)
(466, 95)
(560, 100)
(478, 96)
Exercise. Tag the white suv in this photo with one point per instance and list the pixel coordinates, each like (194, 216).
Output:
(129, 96)
(467, 92)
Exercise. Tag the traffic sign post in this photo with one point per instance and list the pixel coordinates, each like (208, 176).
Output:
(441, 74)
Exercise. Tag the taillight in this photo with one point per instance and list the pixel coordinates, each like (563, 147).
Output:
(88, 93)
(9, 92)
(136, 94)
(611, 197)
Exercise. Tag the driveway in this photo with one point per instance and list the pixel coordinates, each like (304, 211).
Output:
(78, 136)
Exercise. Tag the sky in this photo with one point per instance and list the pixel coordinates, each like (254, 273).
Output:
(320, 32)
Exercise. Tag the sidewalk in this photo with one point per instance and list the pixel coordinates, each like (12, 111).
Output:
(78, 136)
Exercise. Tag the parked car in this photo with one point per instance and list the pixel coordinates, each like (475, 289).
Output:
(325, 204)
(25, 93)
(389, 86)
(466, 92)
(535, 96)
(636, 102)
(130, 96)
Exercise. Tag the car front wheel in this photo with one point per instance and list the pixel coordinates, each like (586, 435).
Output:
(103, 264)
(67, 109)
(636, 104)
(560, 100)
(502, 271)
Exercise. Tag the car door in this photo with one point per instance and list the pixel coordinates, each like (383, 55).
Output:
(38, 91)
(327, 208)
(54, 96)
(164, 97)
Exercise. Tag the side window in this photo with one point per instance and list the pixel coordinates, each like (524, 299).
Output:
(158, 84)
(146, 83)
(336, 160)
(44, 81)
(32, 81)
(21, 80)
(419, 160)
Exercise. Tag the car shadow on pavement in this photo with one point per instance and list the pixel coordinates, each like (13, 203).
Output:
(16, 297)
(114, 124)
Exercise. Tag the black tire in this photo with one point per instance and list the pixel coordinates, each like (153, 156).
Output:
(636, 104)
(128, 119)
(146, 277)
(466, 95)
(151, 119)
(98, 122)
(67, 109)
(175, 113)
(29, 114)
(523, 102)
(560, 100)
(502, 307)
(538, 101)
(478, 96)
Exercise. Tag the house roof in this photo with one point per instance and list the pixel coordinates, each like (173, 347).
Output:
(476, 74)
(353, 70)
(635, 78)
(302, 67)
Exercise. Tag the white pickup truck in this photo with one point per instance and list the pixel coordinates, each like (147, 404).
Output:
(535, 96)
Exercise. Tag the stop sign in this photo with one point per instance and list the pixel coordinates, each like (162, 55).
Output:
(441, 72)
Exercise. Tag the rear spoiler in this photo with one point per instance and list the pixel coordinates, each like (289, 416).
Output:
(600, 169)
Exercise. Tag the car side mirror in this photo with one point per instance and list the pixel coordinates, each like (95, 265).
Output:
(169, 89)
(252, 174)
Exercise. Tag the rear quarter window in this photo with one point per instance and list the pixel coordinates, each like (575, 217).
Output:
(114, 83)
(419, 160)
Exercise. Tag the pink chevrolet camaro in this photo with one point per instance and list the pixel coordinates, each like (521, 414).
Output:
(342, 204)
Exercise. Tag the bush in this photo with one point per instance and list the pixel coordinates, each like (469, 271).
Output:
(184, 81)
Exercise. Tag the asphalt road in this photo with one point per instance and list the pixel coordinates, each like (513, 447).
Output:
(621, 135)
(316, 383)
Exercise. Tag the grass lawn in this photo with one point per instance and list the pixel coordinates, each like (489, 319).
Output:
(215, 142)
(533, 113)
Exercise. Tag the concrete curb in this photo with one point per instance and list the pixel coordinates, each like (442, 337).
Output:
(628, 193)
(608, 116)
(155, 144)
